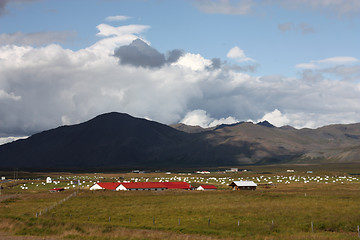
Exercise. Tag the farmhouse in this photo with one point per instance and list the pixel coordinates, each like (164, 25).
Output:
(206, 187)
(105, 185)
(243, 185)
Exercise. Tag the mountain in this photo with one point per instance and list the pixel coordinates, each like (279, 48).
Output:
(120, 141)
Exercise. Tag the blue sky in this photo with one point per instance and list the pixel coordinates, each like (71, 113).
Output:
(290, 62)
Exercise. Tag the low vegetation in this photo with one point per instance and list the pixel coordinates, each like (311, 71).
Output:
(287, 209)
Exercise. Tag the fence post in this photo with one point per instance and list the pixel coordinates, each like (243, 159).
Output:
(153, 221)
(238, 223)
(129, 219)
(209, 222)
(179, 222)
(109, 219)
(358, 229)
(312, 227)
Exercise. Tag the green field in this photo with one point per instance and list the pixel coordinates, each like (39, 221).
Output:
(296, 206)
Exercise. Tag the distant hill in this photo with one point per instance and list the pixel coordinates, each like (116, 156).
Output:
(120, 141)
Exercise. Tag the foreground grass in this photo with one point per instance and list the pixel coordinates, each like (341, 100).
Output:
(284, 212)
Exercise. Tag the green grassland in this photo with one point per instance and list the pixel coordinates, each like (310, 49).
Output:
(279, 211)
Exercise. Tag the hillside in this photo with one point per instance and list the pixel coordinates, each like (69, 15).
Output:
(120, 141)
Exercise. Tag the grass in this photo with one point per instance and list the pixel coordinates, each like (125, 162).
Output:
(284, 211)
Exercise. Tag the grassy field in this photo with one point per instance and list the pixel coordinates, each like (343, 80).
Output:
(297, 206)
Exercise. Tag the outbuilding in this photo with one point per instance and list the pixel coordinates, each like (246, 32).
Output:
(207, 187)
(57, 190)
(105, 185)
(243, 185)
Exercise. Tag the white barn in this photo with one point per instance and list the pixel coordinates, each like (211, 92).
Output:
(243, 185)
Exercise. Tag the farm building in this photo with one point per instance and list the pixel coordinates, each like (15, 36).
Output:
(206, 187)
(57, 190)
(105, 185)
(141, 186)
(177, 185)
(243, 185)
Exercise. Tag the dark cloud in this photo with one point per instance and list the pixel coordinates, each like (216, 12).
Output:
(140, 54)
(174, 55)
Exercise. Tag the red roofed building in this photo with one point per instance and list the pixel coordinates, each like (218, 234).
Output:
(141, 186)
(105, 185)
(177, 185)
(206, 187)
(57, 189)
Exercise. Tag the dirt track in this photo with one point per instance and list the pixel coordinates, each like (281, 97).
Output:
(6, 236)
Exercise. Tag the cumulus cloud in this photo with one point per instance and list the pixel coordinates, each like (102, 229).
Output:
(36, 39)
(47, 86)
(239, 55)
(140, 54)
(276, 118)
(200, 118)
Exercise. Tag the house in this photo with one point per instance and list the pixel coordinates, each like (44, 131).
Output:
(57, 190)
(105, 185)
(141, 186)
(243, 185)
(206, 187)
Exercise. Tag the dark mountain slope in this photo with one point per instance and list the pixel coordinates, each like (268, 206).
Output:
(112, 139)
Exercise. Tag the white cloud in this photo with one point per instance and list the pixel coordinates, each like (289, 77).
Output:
(328, 61)
(194, 62)
(276, 118)
(44, 87)
(200, 118)
(117, 18)
(4, 140)
(239, 55)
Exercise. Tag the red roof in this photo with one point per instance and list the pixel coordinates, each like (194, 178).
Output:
(208, 186)
(132, 185)
(177, 185)
(109, 185)
(57, 189)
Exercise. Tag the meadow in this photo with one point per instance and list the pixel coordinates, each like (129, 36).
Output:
(296, 205)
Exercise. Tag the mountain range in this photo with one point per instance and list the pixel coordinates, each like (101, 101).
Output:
(120, 141)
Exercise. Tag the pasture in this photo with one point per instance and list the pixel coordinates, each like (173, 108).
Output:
(285, 206)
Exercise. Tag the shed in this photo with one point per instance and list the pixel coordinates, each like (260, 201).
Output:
(57, 190)
(105, 185)
(243, 185)
(206, 187)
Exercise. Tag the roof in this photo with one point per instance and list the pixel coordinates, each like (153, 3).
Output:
(209, 186)
(132, 185)
(243, 184)
(177, 185)
(57, 189)
(109, 185)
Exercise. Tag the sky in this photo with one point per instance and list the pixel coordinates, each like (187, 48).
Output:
(198, 62)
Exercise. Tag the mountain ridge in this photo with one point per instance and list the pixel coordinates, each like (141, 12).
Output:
(118, 140)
